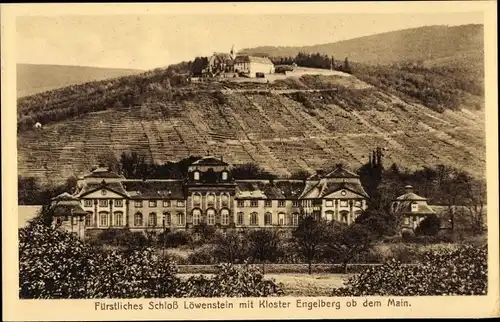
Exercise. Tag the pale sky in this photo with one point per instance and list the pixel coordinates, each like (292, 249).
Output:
(149, 41)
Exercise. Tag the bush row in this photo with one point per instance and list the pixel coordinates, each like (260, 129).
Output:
(56, 265)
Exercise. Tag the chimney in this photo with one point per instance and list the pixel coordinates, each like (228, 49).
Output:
(408, 189)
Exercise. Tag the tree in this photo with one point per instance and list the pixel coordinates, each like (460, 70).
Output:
(429, 226)
(263, 245)
(346, 67)
(206, 232)
(475, 201)
(309, 238)
(371, 177)
(347, 242)
(109, 160)
(198, 65)
(229, 247)
(250, 171)
(134, 166)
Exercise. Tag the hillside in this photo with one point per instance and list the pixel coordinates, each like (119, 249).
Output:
(433, 45)
(298, 123)
(34, 78)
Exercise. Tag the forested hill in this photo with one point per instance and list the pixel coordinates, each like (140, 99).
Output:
(420, 116)
(457, 46)
(36, 78)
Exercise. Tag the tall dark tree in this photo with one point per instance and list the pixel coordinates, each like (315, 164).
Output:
(347, 66)
(135, 166)
(348, 241)
(198, 65)
(429, 226)
(263, 245)
(229, 247)
(309, 238)
(250, 171)
(371, 177)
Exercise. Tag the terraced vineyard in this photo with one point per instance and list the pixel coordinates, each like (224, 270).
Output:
(272, 128)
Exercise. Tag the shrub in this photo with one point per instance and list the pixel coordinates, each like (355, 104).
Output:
(460, 271)
(231, 281)
(202, 256)
(133, 275)
(405, 253)
(177, 238)
(429, 226)
(56, 265)
(52, 264)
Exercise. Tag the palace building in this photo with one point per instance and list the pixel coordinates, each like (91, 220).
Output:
(208, 194)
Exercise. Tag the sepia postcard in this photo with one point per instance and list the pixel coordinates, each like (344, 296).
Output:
(242, 161)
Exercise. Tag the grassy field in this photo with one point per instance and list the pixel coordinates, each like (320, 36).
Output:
(304, 284)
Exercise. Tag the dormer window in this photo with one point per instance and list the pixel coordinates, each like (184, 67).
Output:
(196, 175)
(224, 175)
(414, 207)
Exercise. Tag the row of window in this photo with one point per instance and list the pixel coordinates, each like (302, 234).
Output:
(211, 217)
(117, 219)
(103, 202)
(283, 219)
(267, 203)
(137, 203)
(211, 201)
(342, 203)
(196, 175)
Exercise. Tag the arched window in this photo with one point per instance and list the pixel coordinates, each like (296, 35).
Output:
(210, 199)
(224, 199)
(180, 219)
(224, 213)
(329, 215)
(167, 219)
(196, 199)
(88, 218)
(254, 219)
(211, 217)
(118, 218)
(103, 219)
(357, 213)
(295, 219)
(196, 175)
(288, 219)
(153, 219)
(343, 216)
(240, 219)
(268, 219)
(138, 219)
(281, 219)
(196, 217)
(224, 175)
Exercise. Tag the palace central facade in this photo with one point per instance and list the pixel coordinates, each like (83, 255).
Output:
(211, 196)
